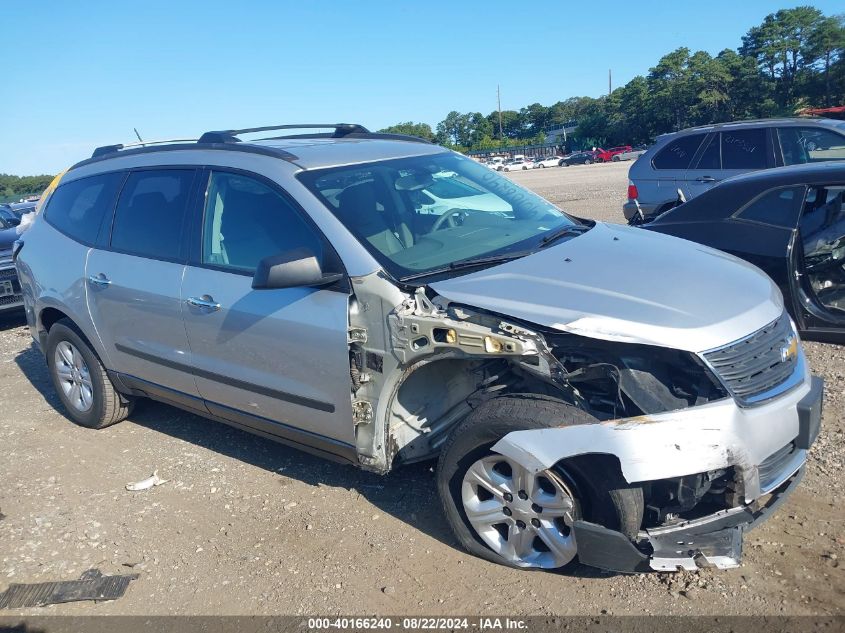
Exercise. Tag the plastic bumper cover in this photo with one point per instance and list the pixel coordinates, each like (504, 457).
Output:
(711, 541)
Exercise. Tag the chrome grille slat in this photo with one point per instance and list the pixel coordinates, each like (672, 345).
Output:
(754, 365)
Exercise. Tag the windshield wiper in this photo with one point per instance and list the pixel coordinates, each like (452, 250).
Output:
(575, 229)
(470, 262)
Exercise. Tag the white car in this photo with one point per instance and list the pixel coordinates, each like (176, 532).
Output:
(516, 165)
(550, 161)
(633, 154)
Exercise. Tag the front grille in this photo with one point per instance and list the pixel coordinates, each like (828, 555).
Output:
(758, 363)
(8, 273)
(778, 466)
(10, 299)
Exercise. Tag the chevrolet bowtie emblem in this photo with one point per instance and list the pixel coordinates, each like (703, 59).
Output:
(790, 350)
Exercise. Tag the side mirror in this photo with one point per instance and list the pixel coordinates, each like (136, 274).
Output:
(297, 268)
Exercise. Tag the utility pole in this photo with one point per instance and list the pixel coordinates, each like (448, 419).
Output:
(609, 83)
(499, 102)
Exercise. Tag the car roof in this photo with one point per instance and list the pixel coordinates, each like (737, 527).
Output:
(752, 123)
(808, 173)
(350, 144)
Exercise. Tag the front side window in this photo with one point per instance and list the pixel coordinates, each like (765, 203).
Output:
(744, 149)
(779, 207)
(422, 214)
(678, 154)
(810, 144)
(151, 212)
(245, 221)
(77, 208)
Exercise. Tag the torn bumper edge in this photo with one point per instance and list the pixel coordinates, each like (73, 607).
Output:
(675, 444)
(699, 439)
(712, 541)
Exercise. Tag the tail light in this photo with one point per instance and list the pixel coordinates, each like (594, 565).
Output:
(633, 194)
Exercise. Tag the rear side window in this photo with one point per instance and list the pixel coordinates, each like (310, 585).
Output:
(678, 153)
(809, 145)
(711, 158)
(77, 208)
(778, 207)
(150, 213)
(744, 149)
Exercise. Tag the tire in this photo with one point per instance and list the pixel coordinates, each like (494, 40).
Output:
(615, 159)
(597, 491)
(81, 381)
(588, 162)
(542, 166)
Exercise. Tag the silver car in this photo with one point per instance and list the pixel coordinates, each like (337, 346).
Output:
(300, 288)
(696, 159)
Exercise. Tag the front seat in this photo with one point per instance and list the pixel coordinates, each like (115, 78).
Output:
(358, 210)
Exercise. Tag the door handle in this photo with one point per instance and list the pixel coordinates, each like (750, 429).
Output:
(705, 179)
(206, 301)
(99, 280)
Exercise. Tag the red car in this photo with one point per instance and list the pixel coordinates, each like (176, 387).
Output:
(606, 155)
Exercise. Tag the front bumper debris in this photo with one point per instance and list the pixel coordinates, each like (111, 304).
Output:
(712, 541)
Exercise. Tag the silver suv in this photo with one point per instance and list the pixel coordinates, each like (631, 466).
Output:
(305, 288)
(696, 159)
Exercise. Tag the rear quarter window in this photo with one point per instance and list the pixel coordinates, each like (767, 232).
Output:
(678, 154)
(77, 208)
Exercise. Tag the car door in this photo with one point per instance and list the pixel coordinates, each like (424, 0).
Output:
(134, 284)
(273, 360)
(706, 170)
(822, 258)
(659, 185)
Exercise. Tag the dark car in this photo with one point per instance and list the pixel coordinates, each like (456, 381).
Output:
(10, 289)
(22, 208)
(789, 221)
(578, 158)
(8, 218)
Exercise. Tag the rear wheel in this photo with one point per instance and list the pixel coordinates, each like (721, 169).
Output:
(81, 381)
(501, 511)
(588, 162)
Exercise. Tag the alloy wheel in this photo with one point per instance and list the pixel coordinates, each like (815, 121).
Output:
(74, 376)
(524, 517)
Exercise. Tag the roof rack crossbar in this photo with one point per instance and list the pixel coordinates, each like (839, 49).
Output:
(231, 136)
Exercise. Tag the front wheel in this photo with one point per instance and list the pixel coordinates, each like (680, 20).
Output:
(588, 162)
(503, 512)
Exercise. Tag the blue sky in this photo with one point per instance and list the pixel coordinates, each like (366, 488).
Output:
(81, 74)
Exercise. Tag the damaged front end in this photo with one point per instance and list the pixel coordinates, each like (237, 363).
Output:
(716, 440)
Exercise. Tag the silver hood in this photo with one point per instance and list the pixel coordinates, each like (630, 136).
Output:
(625, 284)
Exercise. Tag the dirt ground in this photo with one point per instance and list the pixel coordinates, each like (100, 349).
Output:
(247, 526)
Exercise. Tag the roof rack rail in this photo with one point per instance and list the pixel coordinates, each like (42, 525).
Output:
(231, 136)
(108, 149)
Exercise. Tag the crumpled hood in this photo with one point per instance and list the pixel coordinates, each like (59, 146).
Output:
(626, 284)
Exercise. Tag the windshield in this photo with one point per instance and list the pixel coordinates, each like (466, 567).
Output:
(398, 210)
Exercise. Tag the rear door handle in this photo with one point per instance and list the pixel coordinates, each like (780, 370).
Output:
(99, 280)
(705, 179)
(206, 301)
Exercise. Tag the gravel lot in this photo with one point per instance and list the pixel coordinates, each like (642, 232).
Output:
(246, 526)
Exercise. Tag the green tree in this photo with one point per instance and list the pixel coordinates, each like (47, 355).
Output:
(825, 45)
(422, 130)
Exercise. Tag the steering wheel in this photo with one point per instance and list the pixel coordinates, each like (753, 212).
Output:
(449, 218)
